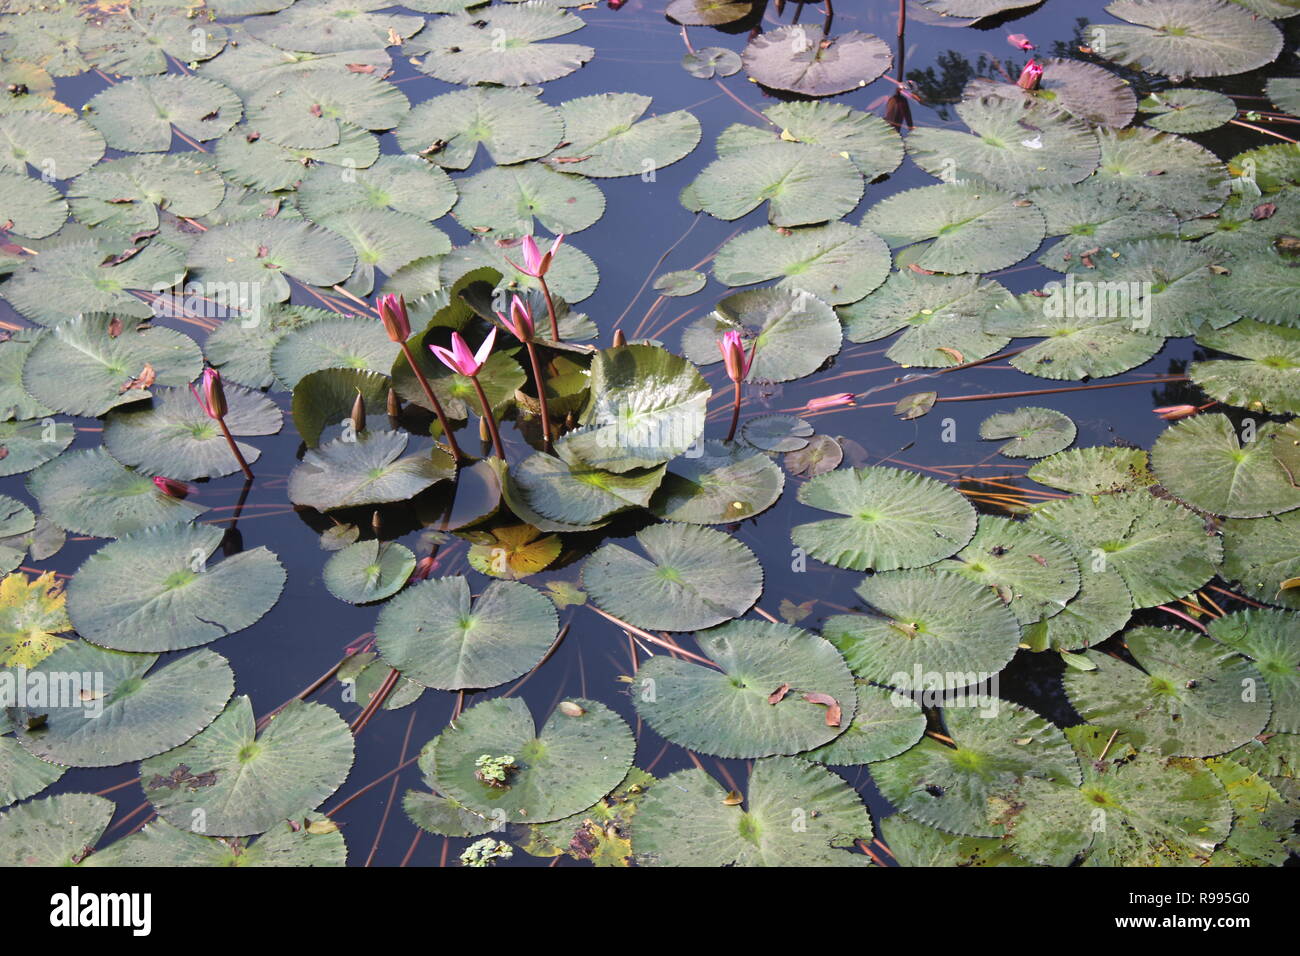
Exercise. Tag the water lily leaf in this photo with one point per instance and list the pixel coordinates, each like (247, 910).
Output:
(60, 146)
(777, 433)
(398, 183)
(939, 315)
(504, 201)
(512, 125)
(15, 403)
(1034, 432)
(144, 712)
(32, 615)
(796, 332)
(159, 843)
(1101, 608)
(572, 277)
(55, 831)
(1260, 554)
(1186, 700)
(1159, 548)
(710, 13)
(22, 775)
(726, 483)
(647, 406)
(1189, 38)
(1094, 217)
(1095, 471)
(1030, 572)
(1276, 756)
(915, 844)
(886, 724)
(155, 591)
(821, 455)
(566, 488)
(513, 552)
(1269, 377)
(173, 436)
(973, 228)
(1263, 819)
(126, 194)
(27, 444)
(683, 282)
(87, 491)
(368, 571)
(241, 349)
(1202, 462)
(892, 519)
(49, 39)
(434, 635)
(870, 143)
(344, 342)
(310, 110)
(1265, 286)
(1076, 346)
(685, 819)
(383, 240)
(567, 767)
(92, 276)
(1271, 639)
(322, 26)
(16, 519)
(33, 209)
(930, 630)
(599, 834)
(1164, 171)
(1014, 145)
(366, 471)
(801, 59)
(690, 578)
(836, 262)
(502, 45)
(243, 782)
(804, 184)
(607, 136)
(1284, 91)
(1086, 91)
(137, 116)
(252, 64)
(731, 712)
(326, 398)
(244, 157)
(955, 787)
(80, 369)
(139, 44)
(711, 61)
(261, 254)
(1188, 110)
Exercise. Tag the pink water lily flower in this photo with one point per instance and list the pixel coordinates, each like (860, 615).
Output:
(392, 312)
(1019, 41)
(520, 321)
(1030, 75)
(535, 263)
(171, 487)
(737, 363)
(460, 359)
(212, 398)
(830, 401)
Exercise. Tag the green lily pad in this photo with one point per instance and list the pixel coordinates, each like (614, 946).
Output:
(502, 46)
(366, 471)
(690, 578)
(325, 398)
(915, 844)
(1191, 697)
(1189, 37)
(708, 13)
(1264, 286)
(683, 282)
(239, 782)
(384, 241)
(892, 519)
(140, 44)
(1101, 608)
(261, 254)
(756, 704)
(777, 433)
(126, 194)
(1271, 639)
(506, 201)
(930, 630)
(864, 139)
(795, 814)
(87, 491)
(565, 488)
(1284, 91)
(59, 146)
(159, 844)
(1187, 110)
(1261, 828)
(1203, 462)
(15, 403)
(1030, 572)
(154, 590)
(801, 59)
(803, 183)
(607, 136)
(348, 342)
(726, 483)
(22, 774)
(433, 634)
(1260, 554)
(795, 331)
(836, 262)
(322, 26)
(244, 157)
(241, 349)
(512, 125)
(55, 831)
(138, 116)
(1094, 217)
(711, 61)
(309, 111)
(1267, 379)
(571, 764)
(33, 209)
(572, 277)
(1095, 471)
(886, 724)
(399, 183)
(27, 444)
(1034, 432)
(368, 571)
(1086, 91)
(1162, 170)
(142, 712)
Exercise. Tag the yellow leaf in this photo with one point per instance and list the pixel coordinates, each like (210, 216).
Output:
(788, 136)
(31, 614)
(319, 827)
(1289, 583)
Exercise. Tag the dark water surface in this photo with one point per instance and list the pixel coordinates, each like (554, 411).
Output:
(637, 50)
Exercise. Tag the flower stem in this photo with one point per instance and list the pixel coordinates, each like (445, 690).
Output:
(487, 417)
(239, 456)
(550, 309)
(541, 394)
(735, 414)
(433, 400)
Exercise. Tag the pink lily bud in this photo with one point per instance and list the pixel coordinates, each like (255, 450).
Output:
(460, 359)
(536, 264)
(520, 321)
(1171, 413)
(732, 347)
(830, 401)
(171, 487)
(1030, 75)
(392, 312)
(1019, 41)
(213, 397)
(424, 567)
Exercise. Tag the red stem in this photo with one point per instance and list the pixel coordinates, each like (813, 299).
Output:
(541, 394)
(550, 309)
(433, 400)
(487, 417)
(239, 457)
(735, 414)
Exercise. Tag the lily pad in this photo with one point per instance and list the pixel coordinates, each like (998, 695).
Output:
(1163, 170)
(1034, 432)
(1189, 38)
(1095, 471)
(138, 116)
(777, 433)
(159, 844)
(1268, 377)
(1203, 462)
(365, 471)
(886, 724)
(708, 13)
(607, 136)
(801, 59)
(1101, 608)
(727, 483)
(368, 571)
(803, 183)
(1261, 554)
(836, 262)
(322, 26)
(503, 46)
(565, 488)
(33, 209)
(310, 110)
(59, 146)
(1030, 572)
(512, 125)
(864, 139)
(403, 183)
(504, 201)
(791, 331)
(1271, 639)
(1187, 110)
(27, 444)
(348, 342)
(261, 254)
(55, 831)
(325, 398)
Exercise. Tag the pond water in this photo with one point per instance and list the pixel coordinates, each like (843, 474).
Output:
(644, 232)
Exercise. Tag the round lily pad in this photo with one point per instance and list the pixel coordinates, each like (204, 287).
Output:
(1076, 346)
(22, 774)
(62, 146)
(338, 342)
(367, 571)
(930, 630)
(241, 349)
(309, 110)
(512, 125)
(799, 58)
(1268, 375)
(247, 159)
(138, 115)
(1101, 608)
(1094, 471)
(711, 61)
(690, 578)
(886, 724)
(367, 470)
(262, 254)
(1034, 432)
(758, 703)
(607, 136)
(1030, 572)
(565, 488)
(1163, 170)
(1094, 217)
(1203, 462)
(1084, 90)
(316, 841)
(34, 209)
(142, 712)
(803, 183)
(864, 139)
(504, 201)
(791, 331)
(1262, 554)
(683, 282)
(1188, 111)
(726, 483)
(403, 183)
(708, 13)
(892, 519)
(1189, 37)
(27, 444)
(55, 831)
(777, 433)
(1270, 638)
(836, 262)
(503, 45)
